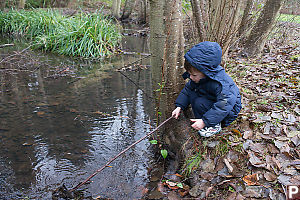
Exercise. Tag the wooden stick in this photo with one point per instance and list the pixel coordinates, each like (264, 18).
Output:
(6, 45)
(114, 158)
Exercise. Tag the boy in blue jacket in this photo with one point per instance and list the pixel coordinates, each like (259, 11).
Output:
(212, 94)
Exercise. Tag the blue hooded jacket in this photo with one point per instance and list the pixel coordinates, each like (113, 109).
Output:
(217, 86)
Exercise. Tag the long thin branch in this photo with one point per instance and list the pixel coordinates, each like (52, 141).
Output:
(114, 158)
(6, 45)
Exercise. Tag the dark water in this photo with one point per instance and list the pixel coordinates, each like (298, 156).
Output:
(61, 120)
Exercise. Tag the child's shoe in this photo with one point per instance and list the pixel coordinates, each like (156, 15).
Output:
(210, 131)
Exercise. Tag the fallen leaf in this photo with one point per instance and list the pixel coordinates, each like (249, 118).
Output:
(267, 128)
(264, 108)
(160, 187)
(255, 161)
(208, 191)
(276, 162)
(27, 144)
(237, 132)
(144, 191)
(73, 110)
(282, 146)
(262, 118)
(40, 113)
(251, 179)
(291, 118)
(284, 179)
(272, 148)
(269, 176)
(270, 163)
(247, 134)
(172, 185)
(296, 140)
(178, 175)
(231, 196)
(293, 134)
(240, 197)
(229, 167)
(183, 192)
(258, 148)
(276, 115)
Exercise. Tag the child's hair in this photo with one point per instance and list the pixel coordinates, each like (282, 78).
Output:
(188, 67)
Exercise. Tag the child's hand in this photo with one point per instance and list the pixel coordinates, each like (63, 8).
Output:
(198, 124)
(176, 112)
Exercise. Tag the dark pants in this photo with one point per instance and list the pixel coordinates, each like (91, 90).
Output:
(200, 105)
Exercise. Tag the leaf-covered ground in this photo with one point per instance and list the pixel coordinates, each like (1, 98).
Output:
(258, 155)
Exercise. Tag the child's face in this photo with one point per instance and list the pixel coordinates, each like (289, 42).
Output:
(196, 76)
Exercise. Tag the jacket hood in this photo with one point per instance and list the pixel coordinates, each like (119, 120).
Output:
(206, 57)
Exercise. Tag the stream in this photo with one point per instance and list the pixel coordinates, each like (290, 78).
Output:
(61, 119)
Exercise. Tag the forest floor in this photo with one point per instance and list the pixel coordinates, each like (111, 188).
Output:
(258, 155)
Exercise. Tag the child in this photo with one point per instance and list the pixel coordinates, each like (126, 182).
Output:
(214, 97)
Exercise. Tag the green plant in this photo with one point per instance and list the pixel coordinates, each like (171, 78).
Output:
(164, 153)
(186, 5)
(239, 147)
(83, 35)
(222, 148)
(153, 141)
(192, 163)
(231, 189)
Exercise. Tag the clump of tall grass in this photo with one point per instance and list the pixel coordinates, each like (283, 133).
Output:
(83, 35)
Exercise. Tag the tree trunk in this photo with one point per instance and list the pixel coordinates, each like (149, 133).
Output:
(217, 20)
(199, 22)
(257, 38)
(245, 19)
(116, 6)
(176, 134)
(129, 5)
(166, 46)
(72, 4)
(21, 4)
(2, 4)
(143, 10)
(157, 39)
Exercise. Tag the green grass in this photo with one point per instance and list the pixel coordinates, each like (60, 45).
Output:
(83, 35)
(192, 163)
(289, 18)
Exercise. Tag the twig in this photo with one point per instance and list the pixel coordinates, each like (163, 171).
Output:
(114, 158)
(6, 45)
(212, 187)
(136, 85)
(18, 53)
(138, 60)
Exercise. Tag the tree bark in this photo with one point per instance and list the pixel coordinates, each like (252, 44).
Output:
(21, 4)
(2, 4)
(116, 6)
(258, 35)
(197, 14)
(129, 5)
(157, 39)
(72, 3)
(245, 19)
(143, 10)
(176, 133)
(217, 20)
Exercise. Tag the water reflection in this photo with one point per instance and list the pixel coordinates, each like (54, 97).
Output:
(56, 130)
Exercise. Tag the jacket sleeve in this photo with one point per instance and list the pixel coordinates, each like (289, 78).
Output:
(182, 100)
(222, 107)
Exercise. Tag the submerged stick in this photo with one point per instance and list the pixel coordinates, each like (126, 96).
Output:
(114, 158)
